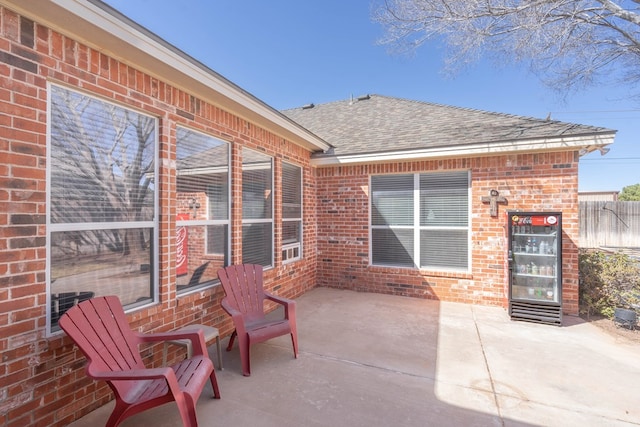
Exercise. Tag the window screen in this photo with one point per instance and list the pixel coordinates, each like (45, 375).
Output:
(257, 210)
(202, 226)
(291, 212)
(101, 214)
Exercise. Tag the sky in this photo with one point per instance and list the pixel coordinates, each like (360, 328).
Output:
(289, 53)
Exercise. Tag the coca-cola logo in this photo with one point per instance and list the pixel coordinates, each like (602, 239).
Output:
(181, 247)
(521, 220)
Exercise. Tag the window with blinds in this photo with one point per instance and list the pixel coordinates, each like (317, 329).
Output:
(392, 220)
(444, 220)
(202, 223)
(420, 220)
(257, 208)
(291, 212)
(102, 202)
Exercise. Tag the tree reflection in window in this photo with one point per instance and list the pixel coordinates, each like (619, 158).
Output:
(101, 210)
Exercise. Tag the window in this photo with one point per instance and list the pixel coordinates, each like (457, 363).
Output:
(291, 212)
(257, 208)
(102, 199)
(420, 220)
(392, 220)
(202, 225)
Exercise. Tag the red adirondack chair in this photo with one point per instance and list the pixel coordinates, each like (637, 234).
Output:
(100, 329)
(244, 302)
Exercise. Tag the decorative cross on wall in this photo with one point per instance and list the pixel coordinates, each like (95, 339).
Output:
(195, 205)
(493, 199)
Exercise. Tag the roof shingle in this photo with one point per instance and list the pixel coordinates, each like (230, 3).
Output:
(377, 124)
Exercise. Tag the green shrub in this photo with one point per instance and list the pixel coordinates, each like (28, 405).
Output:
(608, 281)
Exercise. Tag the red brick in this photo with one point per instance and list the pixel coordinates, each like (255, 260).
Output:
(336, 232)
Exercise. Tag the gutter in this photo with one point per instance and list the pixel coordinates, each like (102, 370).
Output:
(582, 143)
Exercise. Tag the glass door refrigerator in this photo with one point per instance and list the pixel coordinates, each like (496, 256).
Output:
(535, 266)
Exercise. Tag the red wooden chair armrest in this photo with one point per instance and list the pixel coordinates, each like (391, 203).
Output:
(226, 306)
(134, 374)
(278, 299)
(236, 315)
(289, 305)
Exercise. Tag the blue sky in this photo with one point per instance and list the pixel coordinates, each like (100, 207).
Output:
(290, 52)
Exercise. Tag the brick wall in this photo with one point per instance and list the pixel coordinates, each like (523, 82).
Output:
(42, 380)
(536, 182)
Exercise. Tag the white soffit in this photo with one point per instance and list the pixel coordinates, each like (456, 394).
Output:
(470, 150)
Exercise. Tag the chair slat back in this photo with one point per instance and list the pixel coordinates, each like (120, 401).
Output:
(100, 329)
(243, 287)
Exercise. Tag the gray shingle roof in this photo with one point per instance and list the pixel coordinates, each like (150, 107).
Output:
(380, 124)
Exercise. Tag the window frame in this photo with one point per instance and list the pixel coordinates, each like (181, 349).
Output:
(417, 228)
(208, 222)
(292, 247)
(54, 227)
(249, 221)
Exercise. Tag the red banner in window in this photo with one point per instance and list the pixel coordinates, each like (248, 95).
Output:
(182, 247)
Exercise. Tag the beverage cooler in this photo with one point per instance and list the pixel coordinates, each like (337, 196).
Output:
(535, 266)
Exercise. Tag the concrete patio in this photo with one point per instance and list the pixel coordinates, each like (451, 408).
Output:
(379, 360)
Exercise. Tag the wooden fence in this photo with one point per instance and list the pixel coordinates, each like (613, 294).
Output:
(609, 224)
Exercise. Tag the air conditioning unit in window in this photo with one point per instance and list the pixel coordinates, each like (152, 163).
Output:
(290, 252)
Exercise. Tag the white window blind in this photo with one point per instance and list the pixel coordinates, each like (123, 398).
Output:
(444, 220)
(257, 208)
(291, 212)
(392, 219)
(420, 220)
(202, 226)
(101, 220)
